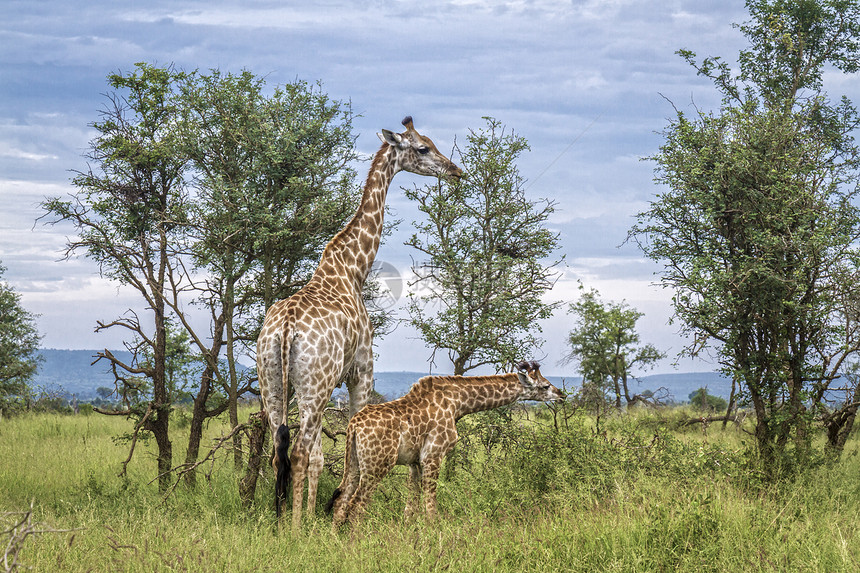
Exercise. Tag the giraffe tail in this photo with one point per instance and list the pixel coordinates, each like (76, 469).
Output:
(282, 436)
(284, 476)
(330, 505)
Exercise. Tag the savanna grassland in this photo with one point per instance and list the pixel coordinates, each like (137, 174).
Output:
(518, 495)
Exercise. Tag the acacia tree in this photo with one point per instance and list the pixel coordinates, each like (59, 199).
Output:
(758, 227)
(19, 345)
(485, 242)
(606, 345)
(129, 213)
(203, 192)
(273, 185)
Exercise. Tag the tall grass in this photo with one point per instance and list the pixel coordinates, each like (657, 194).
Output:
(527, 498)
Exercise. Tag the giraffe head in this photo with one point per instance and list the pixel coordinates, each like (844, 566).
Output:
(534, 385)
(417, 153)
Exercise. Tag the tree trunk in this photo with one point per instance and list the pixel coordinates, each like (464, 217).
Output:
(459, 366)
(731, 405)
(199, 414)
(160, 424)
(160, 429)
(233, 378)
(840, 423)
(257, 437)
(763, 433)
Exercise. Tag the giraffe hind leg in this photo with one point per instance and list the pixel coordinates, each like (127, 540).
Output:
(309, 430)
(315, 466)
(413, 483)
(357, 505)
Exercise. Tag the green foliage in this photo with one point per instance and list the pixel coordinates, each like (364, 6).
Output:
(757, 229)
(19, 347)
(48, 401)
(275, 184)
(129, 214)
(701, 400)
(485, 241)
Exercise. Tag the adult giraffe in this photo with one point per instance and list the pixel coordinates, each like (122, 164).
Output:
(321, 336)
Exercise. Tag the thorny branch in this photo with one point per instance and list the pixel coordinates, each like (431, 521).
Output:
(185, 468)
(18, 533)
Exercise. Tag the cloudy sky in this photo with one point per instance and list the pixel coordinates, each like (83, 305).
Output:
(586, 82)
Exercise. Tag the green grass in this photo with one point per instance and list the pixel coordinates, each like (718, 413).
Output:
(641, 499)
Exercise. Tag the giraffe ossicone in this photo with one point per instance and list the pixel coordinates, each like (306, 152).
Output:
(417, 430)
(321, 337)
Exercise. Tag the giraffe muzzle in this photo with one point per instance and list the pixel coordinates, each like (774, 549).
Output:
(455, 173)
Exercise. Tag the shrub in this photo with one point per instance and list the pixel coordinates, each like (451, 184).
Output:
(530, 464)
(701, 400)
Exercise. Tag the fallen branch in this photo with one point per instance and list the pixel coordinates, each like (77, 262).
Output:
(331, 435)
(705, 420)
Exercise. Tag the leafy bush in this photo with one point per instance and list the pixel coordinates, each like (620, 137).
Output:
(529, 463)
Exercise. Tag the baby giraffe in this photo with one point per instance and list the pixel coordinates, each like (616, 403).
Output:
(418, 429)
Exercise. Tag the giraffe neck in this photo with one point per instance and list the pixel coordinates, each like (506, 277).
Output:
(351, 252)
(484, 393)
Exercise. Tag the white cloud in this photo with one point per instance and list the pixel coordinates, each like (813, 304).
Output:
(12, 153)
(580, 79)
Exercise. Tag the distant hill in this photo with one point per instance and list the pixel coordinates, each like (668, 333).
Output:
(678, 386)
(72, 371)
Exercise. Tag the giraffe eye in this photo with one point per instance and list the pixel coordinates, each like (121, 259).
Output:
(423, 150)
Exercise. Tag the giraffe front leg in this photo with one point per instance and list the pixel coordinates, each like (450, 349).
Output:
(340, 514)
(439, 443)
(348, 485)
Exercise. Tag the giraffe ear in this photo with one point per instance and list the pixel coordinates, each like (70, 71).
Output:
(524, 379)
(390, 137)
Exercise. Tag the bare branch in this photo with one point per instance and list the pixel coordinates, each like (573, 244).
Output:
(137, 429)
(183, 469)
(18, 533)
